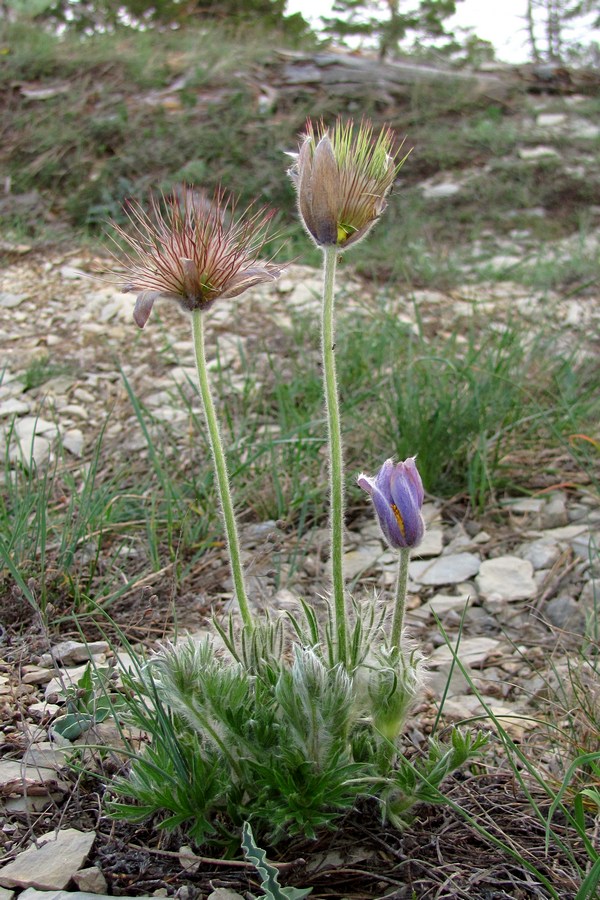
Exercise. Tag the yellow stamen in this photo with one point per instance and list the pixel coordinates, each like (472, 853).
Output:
(399, 519)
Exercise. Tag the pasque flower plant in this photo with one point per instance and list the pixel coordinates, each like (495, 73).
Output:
(302, 716)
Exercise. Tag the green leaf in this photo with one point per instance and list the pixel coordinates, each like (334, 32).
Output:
(72, 725)
(268, 873)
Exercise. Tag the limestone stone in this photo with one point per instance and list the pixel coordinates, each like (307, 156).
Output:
(30, 453)
(52, 863)
(45, 753)
(72, 440)
(16, 777)
(33, 894)
(554, 512)
(566, 614)
(431, 545)
(542, 553)
(363, 558)
(224, 894)
(14, 407)
(532, 154)
(91, 880)
(471, 652)
(524, 505)
(69, 652)
(507, 578)
(551, 120)
(443, 603)
(440, 191)
(68, 677)
(11, 301)
(449, 569)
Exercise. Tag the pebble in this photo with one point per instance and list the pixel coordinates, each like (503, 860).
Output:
(440, 191)
(68, 652)
(32, 894)
(91, 880)
(52, 863)
(471, 652)
(542, 553)
(565, 613)
(431, 545)
(445, 569)
(11, 301)
(14, 407)
(533, 154)
(73, 441)
(506, 577)
(362, 559)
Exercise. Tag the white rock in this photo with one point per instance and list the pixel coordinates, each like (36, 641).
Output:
(68, 652)
(445, 569)
(17, 777)
(443, 603)
(471, 652)
(586, 545)
(32, 894)
(524, 505)
(14, 407)
(30, 452)
(440, 191)
(360, 560)
(67, 678)
(506, 577)
(565, 534)
(10, 301)
(534, 153)
(52, 863)
(72, 440)
(83, 395)
(583, 128)
(431, 545)
(224, 894)
(46, 754)
(30, 425)
(551, 120)
(73, 409)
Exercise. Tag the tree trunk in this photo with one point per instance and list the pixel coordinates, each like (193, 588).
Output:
(537, 56)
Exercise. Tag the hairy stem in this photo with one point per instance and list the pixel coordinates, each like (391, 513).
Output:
(400, 605)
(336, 482)
(220, 464)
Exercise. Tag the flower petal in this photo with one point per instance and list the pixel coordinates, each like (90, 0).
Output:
(143, 307)
(325, 196)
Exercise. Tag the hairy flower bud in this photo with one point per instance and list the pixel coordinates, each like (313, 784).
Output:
(342, 177)
(397, 493)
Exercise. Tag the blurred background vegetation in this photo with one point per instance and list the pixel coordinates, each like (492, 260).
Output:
(103, 101)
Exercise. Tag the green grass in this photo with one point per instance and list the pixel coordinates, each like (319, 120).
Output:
(464, 404)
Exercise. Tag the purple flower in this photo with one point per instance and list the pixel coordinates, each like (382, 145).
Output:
(398, 495)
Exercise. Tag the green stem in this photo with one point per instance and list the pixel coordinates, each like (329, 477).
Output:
(398, 620)
(336, 483)
(220, 464)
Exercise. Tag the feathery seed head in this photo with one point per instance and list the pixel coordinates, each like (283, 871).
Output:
(193, 250)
